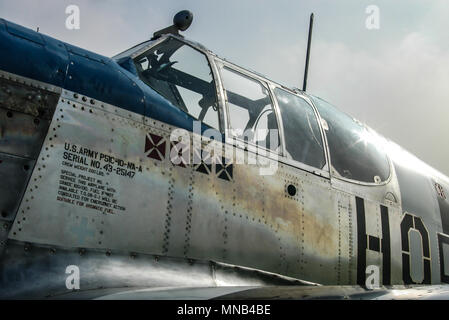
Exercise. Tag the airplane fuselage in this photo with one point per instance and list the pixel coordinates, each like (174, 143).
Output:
(88, 179)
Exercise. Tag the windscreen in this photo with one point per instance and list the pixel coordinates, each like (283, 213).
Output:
(183, 76)
(356, 152)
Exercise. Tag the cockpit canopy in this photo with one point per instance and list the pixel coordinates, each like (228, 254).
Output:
(183, 76)
(250, 107)
(356, 152)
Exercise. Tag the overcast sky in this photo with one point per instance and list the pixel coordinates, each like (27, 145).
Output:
(395, 78)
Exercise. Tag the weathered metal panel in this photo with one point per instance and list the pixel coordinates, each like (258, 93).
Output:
(347, 255)
(106, 187)
(117, 204)
(321, 230)
(27, 96)
(247, 234)
(21, 134)
(208, 214)
(14, 172)
(26, 107)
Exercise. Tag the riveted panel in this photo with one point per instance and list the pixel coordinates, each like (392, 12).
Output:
(321, 230)
(21, 134)
(208, 224)
(15, 172)
(346, 262)
(26, 107)
(248, 234)
(92, 183)
(27, 96)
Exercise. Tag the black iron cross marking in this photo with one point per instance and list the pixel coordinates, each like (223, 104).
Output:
(224, 169)
(205, 165)
(155, 147)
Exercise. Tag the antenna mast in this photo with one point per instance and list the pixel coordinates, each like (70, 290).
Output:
(309, 41)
